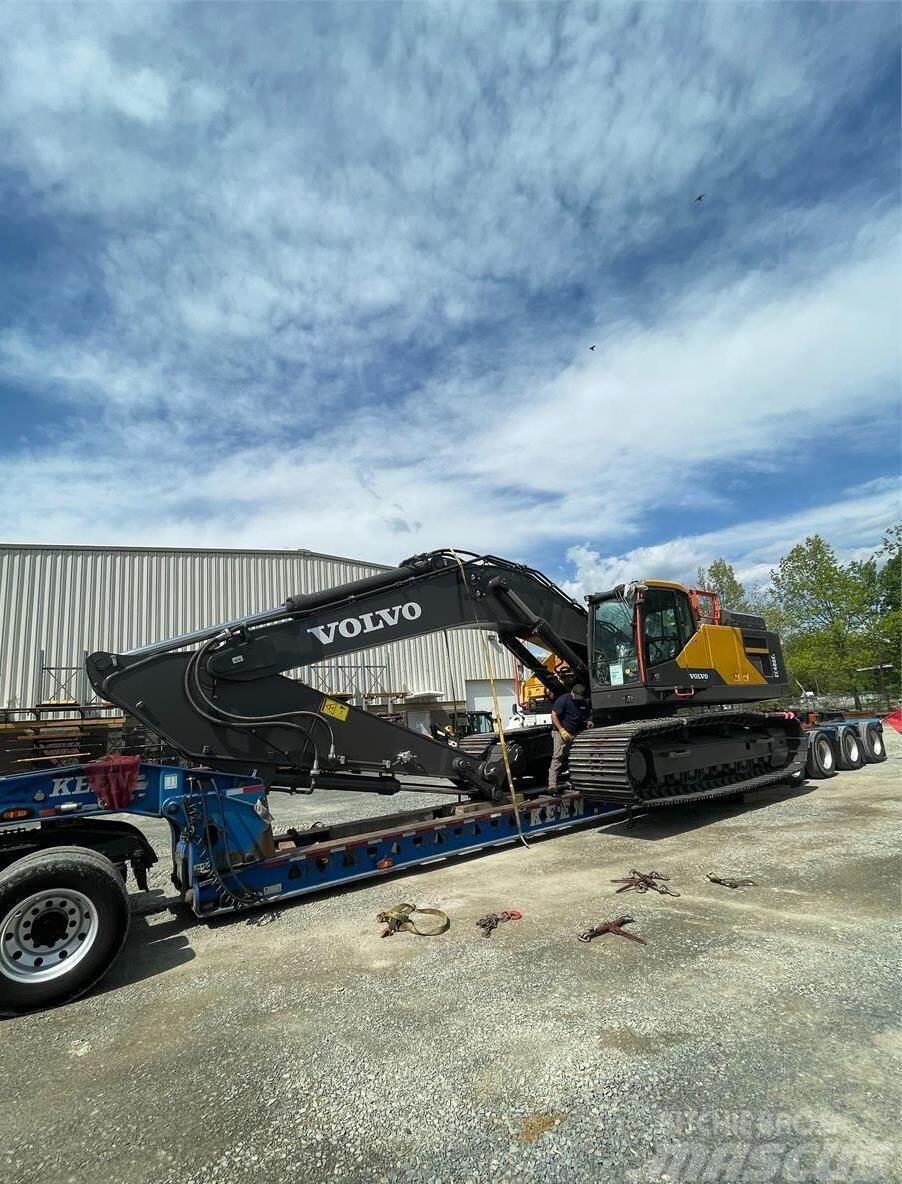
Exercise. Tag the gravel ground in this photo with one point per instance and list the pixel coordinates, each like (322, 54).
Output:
(754, 1037)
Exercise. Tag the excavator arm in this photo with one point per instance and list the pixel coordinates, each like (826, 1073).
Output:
(220, 695)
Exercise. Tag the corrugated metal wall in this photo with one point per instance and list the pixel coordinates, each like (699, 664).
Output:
(69, 600)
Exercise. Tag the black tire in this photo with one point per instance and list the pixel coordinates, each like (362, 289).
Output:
(80, 901)
(849, 748)
(874, 744)
(821, 762)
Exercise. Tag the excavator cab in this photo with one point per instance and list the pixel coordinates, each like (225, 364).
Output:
(660, 642)
(668, 623)
(638, 628)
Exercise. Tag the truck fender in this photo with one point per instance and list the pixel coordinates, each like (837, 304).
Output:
(122, 843)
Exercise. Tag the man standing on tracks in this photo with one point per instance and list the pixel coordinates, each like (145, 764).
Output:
(572, 714)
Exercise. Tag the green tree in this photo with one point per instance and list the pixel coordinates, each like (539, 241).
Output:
(889, 562)
(722, 579)
(886, 640)
(830, 614)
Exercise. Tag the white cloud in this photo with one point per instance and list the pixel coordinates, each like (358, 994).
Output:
(81, 74)
(290, 206)
(738, 374)
(854, 525)
(592, 453)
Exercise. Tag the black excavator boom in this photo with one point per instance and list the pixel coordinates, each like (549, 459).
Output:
(228, 702)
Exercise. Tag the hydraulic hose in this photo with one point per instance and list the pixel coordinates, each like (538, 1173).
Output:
(218, 715)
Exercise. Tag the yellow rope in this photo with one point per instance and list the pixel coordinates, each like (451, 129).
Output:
(487, 657)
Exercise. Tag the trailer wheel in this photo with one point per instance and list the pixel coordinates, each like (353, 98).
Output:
(821, 761)
(63, 918)
(874, 746)
(849, 748)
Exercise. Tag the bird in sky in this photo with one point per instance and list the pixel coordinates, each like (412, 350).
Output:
(592, 349)
(700, 196)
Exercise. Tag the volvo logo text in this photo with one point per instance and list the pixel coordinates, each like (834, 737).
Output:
(367, 622)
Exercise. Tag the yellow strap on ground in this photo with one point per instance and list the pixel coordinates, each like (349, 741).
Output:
(401, 917)
(501, 737)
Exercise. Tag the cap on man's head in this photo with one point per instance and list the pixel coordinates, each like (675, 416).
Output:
(578, 690)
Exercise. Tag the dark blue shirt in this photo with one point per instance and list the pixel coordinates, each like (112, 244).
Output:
(574, 714)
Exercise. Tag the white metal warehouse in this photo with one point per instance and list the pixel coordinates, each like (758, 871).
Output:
(59, 603)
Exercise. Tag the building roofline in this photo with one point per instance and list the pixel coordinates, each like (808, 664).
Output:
(296, 552)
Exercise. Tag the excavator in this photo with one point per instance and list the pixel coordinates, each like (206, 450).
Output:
(672, 677)
(668, 668)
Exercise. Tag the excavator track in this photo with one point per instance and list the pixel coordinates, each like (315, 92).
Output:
(659, 762)
(477, 746)
(528, 750)
(686, 758)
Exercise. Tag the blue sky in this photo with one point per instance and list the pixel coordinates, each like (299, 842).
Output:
(326, 276)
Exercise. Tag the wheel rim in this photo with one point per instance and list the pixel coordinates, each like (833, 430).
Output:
(45, 935)
(825, 754)
(877, 745)
(852, 749)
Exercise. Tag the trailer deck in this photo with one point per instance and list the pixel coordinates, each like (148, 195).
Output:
(258, 866)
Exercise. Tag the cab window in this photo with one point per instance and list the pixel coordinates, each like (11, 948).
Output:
(614, 659)
(668, 624)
